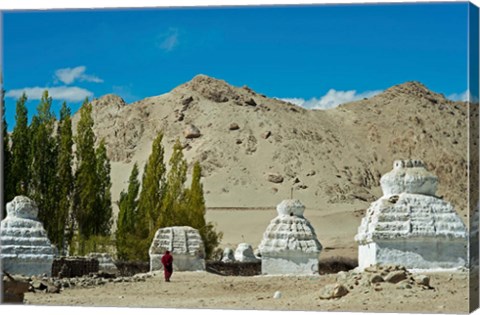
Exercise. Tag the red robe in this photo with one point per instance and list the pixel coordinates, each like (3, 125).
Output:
(167, 262)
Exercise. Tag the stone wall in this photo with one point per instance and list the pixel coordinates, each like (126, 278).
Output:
(234, 268)
(70, 267)
(130, 268)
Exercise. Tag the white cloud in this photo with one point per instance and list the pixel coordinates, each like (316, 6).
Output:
(65, 93)
(169, 40)
(70, 75)
(332, 99)
(463, 97)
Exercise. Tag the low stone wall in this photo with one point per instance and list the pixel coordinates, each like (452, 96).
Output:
(130, 268)
(336, 264)
(247, 269)
(70, 267)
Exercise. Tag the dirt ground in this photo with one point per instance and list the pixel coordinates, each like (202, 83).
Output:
(202, 290)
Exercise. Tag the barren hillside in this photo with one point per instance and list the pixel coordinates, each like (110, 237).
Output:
(255, 149)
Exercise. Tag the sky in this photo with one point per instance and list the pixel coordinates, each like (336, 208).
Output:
(315, 56)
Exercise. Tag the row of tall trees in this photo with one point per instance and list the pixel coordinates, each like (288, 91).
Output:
(39, 163)
(72, 189)
(161, 200)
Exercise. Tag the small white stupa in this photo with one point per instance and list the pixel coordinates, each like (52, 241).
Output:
(244, 253)
(409, 225)
(228, 255)
(184, 243)
(289, 244)
(25, 247)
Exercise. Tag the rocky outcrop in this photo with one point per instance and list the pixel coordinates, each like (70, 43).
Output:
(410, 225)
(289, 244)
(375, 278)
(185, 245)
(26, 248)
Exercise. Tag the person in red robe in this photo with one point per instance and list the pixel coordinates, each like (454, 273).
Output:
(167, 262)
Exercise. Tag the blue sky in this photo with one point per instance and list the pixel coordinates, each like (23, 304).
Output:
(317, 56)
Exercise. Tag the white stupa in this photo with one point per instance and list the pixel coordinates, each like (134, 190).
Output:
(409, 225)
(184, 243)
(25, 248)
(289, 244)
(244, 253)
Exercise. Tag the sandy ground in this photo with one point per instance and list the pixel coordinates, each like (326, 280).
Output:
(335, 229)
(194, 290)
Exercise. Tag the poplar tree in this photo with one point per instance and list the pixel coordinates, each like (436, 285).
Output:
(174, 205)
(44, 187)
(150, 202)
(65, 177)
(92, 204)
(8, 184)
(195, 203)
(127, 217)
(103, 212)
(20, 149)
(85, 187)
(195, 198)
(153, 187)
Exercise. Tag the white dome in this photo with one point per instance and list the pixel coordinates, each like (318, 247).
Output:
(22, 207)
(409, 176)
(291, 207)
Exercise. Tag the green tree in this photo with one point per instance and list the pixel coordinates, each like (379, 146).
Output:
(8, 184)
(85, 187)
(103, 212)
(127, 217)
(153, 187)
(44, 186)
(195, 201)
(149, 216)
(65, 177)
(174, 205)
(21, 149)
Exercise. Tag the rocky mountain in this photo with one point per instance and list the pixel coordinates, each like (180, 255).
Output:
(256, 151)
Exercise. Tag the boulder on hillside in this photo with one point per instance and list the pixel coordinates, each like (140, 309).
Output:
(187, 101)
(266, 134)
(275, 178)
(251, 102)
(233, 126)
(191, 132)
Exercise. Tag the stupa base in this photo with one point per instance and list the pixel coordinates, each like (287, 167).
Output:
(414, 254)
(181, 262)
(289, 264)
